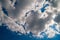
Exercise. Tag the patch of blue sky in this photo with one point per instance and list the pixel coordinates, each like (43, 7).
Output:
(44, 34)
(11, 0)
(56, 37)
(6, 34)
(24, 25)
(43, 8)
(47, 0)
(46, 5)
(15, 3)
(5, 11)
(53, 27)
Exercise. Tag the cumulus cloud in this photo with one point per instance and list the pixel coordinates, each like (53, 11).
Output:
(10, 22)
(18, 4)
(34, 23)
(12, 25)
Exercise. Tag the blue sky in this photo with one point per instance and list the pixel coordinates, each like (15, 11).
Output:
(6, 34)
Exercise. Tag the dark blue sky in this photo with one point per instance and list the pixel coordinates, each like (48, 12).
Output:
(6, 34)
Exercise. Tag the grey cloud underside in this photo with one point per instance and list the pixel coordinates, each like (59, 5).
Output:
(19, 6)
(57, 18)
(36, 24)
(53, 2)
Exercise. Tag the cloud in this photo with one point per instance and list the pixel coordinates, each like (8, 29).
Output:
(10, 23)
(36, 24)
(57, 18)
(19, 6)
(54, 3)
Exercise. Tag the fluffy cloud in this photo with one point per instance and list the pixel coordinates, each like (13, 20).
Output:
(34, 23)
(18, 5)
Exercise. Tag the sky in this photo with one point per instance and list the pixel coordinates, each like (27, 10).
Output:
(29, 20)
(6, 34)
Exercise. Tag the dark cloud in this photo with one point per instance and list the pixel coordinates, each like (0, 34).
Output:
(34, 23)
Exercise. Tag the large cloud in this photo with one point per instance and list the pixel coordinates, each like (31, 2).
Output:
(36, 24)
(19, 6)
